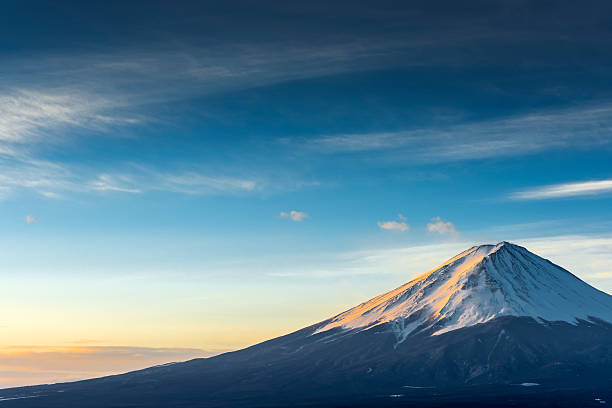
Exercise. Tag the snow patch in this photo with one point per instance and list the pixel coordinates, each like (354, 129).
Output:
(17, 398)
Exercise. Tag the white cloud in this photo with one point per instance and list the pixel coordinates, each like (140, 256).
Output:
(143, 179)
(30, 219)
(400, 225)
(33, 120)
(38, 115)
(587, 188)
(578, 127)
(42, 177)
(201, 183)
(441, 226)
(53, 180)
(105, 182)
(393, 225)
(294, 215)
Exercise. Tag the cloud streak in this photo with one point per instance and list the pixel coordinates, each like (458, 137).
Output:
(105, 182)
(578, 127)
(33, 120)
(61, 95)
(57, 180)
(194, 182)
(27, 365)
(37, 115)
(587, 188)
(393, 225)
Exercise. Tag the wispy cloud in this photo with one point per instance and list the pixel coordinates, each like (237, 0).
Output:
(193, 182)
(43, 177)
(29, 115)
(294, 215)
(393, 225)
(180, 71)
(27, 365)
(400, 225)
(586, 188)
(58, 180)
(244, 53)
(30, 219)
(61, 95)
(441, 226)
(131, 77)
(105, 182)
(33, 120)
(579, 127)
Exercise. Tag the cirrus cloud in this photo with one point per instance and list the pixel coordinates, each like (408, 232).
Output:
(519, 135)
(587, 188)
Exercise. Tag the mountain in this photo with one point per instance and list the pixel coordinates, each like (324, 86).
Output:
(477, 286)
(495, 325)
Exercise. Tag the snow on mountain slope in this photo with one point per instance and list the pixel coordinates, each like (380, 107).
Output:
(476, 286)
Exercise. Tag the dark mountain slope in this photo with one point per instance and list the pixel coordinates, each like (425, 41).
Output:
(398, 349)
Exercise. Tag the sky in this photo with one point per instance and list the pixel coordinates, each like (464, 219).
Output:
(179, 179)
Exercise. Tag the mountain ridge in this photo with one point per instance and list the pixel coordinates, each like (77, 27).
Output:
(476, 286)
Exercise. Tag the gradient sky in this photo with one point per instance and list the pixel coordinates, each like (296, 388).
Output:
(187, 176)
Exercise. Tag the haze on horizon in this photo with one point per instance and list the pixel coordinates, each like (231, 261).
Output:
(180, 179)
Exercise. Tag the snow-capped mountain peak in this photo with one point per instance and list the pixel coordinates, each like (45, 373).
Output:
(476, 286)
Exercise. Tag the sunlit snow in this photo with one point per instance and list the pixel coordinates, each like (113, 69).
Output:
(476, 286)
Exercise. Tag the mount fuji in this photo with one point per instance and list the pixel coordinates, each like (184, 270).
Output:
(477, 286)
(494, 325)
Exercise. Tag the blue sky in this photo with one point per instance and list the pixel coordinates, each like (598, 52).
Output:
(208, 175)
